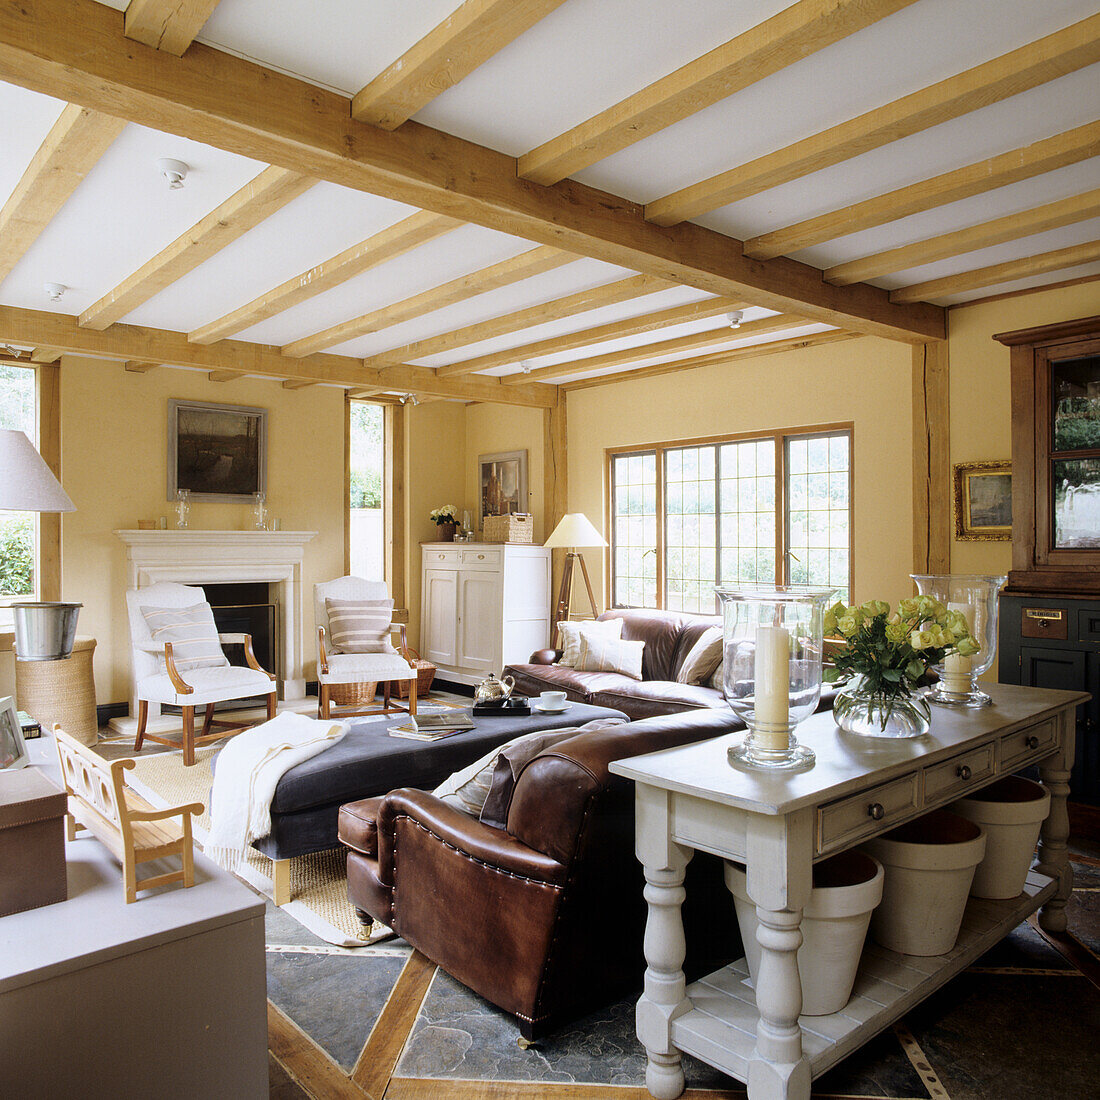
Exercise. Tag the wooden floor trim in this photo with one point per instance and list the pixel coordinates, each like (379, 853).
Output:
(377, 1059)
(408, 1088)
(305, 1061)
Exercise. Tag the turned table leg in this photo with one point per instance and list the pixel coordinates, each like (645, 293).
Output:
(1054, 835)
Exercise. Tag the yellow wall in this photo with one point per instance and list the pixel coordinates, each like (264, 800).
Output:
(114, 459)
(497, 429)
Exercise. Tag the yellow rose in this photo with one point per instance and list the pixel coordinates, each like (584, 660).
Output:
(921, 639)
(829, 623)
(849, 624)
(967, 646)
(875, 607)
(955, 621)
(909, 609)
(897, 632)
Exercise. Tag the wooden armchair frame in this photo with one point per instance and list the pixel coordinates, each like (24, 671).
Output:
(324, 696)
(128, 826)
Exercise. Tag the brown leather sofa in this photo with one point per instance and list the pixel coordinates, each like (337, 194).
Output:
(669, 638)
(544, 917)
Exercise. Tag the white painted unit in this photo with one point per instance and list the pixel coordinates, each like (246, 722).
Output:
(483, 606)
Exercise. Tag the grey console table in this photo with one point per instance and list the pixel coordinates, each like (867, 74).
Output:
(690, 799)
(166, 997)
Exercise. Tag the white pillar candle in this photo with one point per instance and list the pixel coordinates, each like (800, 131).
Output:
(956, 667)
(773, 677)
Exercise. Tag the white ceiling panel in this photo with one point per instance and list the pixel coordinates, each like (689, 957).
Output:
(1085, 271)
(25, 120)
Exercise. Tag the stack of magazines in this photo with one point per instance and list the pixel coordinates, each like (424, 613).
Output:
(432, 727)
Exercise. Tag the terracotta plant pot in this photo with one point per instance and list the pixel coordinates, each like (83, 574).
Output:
(929, 866)
(447, 532)
(846, 889)
(1011, 812)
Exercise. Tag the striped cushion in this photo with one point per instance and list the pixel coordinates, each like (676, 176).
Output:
(610, 655)
(360, 626)
(191, 631)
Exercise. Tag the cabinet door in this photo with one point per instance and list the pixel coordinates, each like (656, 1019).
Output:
(479, 621)
(439, 601)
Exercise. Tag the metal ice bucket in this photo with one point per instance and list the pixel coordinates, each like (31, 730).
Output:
(45, 631)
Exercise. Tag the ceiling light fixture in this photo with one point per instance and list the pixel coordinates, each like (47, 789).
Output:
(54, 291)
(409, 399)
(735, 318)
(174, 171)
(525, 366)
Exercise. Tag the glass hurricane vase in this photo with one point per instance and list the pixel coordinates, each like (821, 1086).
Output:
(772, 644)
(975, 595)
(902, 713)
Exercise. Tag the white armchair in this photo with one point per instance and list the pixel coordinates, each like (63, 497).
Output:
(337, 670)
(157, 679)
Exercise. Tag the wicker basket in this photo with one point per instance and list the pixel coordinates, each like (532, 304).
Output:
(425, 674)
(61, 691)
(353, 695)
(517, 528)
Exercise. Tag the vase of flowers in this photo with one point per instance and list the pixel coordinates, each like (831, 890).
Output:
(884, 658)
(446, 520)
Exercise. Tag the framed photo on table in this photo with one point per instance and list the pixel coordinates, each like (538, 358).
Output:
(216, 452)
(13, 748)
(983, 501)
(502, 482)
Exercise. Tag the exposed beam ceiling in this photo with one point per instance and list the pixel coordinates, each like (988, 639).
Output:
(393, 241)
(621, 358)
(467, 38)
(75, 142)
(719, 359)
(270, 191)
(297, 384)
(148, 345)
(223, 375)
(1032, 160)
(74, 49)
(1057, 54)
(624, 290)
(1012, 227)
(1026, 266)
(169, 25)
(136, 367)
(45, 355)
(615, 330)
(795, 33)
(513, 270)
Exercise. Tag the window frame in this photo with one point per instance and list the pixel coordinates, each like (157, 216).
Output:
(780, 438)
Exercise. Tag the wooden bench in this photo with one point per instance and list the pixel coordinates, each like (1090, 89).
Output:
(131, 829)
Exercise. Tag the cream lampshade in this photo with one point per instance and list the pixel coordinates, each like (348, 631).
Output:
(573, 530)
(26, 482)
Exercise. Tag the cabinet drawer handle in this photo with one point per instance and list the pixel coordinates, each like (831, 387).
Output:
(1032, 742)
(442, 557)
(481, 557)
(963, 771)
(876, 811)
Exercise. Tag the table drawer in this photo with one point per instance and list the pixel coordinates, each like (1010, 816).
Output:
(1024, 745)
(442, 557)
(1044, 622)
(848, 820)
(951, 778)
(482, 558)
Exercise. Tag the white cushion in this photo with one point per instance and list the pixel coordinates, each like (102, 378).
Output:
(610, 655)
(212, 685)
(344, 588)
(571, 634)
(192, 632)
(704, 658)
(359, 626)
(349, 668)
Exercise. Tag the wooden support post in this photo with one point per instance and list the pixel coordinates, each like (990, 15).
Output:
(49, 446)
(555, 487)
(931, 459)
(396, 505)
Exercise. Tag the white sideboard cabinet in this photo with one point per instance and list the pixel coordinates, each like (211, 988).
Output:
(482, 606)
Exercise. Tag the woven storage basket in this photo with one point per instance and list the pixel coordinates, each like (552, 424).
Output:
(425, 674)
(508, 529)
(353, 695)
(61, 691)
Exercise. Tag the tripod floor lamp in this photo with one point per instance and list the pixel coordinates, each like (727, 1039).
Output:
(572, 531)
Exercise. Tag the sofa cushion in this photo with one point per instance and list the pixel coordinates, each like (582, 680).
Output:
(648, 698)
(703, 658)
(610, 655)
(664, 635)
(360, 626)
(572, 633)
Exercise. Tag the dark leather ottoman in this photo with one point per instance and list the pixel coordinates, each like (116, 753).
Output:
(368, 761)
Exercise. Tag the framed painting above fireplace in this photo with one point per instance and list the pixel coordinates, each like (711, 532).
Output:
(216, 452)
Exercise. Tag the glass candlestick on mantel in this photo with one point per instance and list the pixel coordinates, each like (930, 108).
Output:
(183, 508)
(772, 645)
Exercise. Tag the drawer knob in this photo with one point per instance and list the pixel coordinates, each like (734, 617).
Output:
(481, 557)
(876, 811)
(963, 771)
(442, 556)
(1044, 623)
(1032, 742)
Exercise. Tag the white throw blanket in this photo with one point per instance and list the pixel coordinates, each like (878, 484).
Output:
(249, 768)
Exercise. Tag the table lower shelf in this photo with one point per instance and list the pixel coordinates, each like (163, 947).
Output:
(721, 1027)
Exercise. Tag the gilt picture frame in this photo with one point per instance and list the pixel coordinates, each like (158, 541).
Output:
(217, 452)
(983, 501)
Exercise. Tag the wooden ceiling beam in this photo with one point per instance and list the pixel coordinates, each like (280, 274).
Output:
(1012, 227)
(795, 33)
(45, 355)
(662, 347)
(513, 270)
(1086, 253)
(223, 375)
(616, 330)
(297, 384)
(68, 153)
(387, 244)
(467, 38)
(1051, 153)
(261, 197)
(624, 290)
(169, 25)
(74, 49)
(135, 366)
(1057, 54)
(150, 345)
(721, 358)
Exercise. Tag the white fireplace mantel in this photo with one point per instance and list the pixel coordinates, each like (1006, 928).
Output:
(230, 557)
